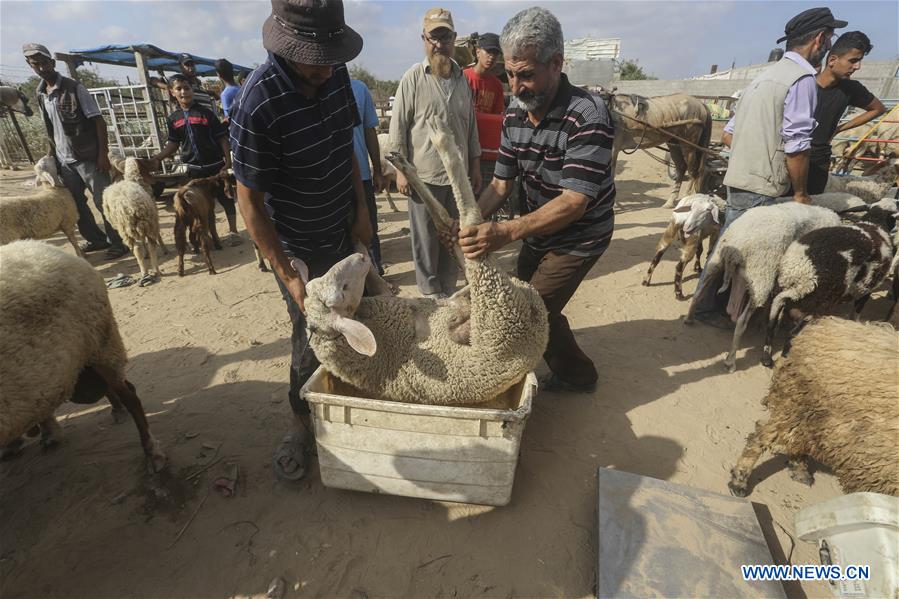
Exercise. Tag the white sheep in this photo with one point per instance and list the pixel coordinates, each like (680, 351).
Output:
(59, 341)
(695, 218)
(130, 208)
(748, 254)
(869, 188)
(831, 265)
(422, 350)
(833, 399)
(41, 214)
(45, 171)
(387, 170)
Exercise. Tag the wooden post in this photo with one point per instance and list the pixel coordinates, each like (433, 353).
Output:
(71, 64)
(141, 63)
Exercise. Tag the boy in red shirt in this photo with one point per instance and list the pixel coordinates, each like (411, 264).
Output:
(486, 88)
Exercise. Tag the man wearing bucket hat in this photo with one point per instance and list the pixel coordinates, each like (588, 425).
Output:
(434, 86)
(298, 183)
(771, 133)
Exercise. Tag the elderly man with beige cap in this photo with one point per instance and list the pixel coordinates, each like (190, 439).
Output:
(434, 86)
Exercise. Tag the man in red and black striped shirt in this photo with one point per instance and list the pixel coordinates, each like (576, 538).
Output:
(560, 141)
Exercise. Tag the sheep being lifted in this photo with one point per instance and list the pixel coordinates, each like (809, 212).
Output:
(414, 350)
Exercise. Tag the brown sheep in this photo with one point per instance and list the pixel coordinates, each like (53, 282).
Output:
(195, 216)
(834, 399)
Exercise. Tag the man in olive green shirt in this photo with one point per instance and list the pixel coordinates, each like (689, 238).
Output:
(434, 86)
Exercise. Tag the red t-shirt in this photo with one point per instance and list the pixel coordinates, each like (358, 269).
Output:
(487, 91)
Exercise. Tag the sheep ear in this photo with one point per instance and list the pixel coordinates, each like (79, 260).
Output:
(716, 215)
(683, 209)
(301, 268)
(356, 334)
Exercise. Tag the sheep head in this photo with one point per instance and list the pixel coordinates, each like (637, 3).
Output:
(137, 170)
(695, 214)
(332, 300)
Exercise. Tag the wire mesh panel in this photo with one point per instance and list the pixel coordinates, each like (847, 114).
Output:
(135, 120)
(9, 138)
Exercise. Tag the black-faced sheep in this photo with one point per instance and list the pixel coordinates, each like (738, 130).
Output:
(748, 254)
(130, 208)
(831, 265)
(411, 350)
(195, 218)
(834, 398)
(694, 219)
(59, 341)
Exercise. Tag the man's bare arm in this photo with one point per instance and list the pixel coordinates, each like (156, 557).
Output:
(872, 111)
(797, 167)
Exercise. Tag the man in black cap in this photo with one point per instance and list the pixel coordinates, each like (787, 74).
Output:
(485, 86)
(77, 135)
(771, 134)
(298, 182)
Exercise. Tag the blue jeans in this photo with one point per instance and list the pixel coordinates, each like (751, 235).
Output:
(738, 202)
(77, 177)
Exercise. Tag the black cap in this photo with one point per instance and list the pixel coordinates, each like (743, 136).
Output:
(810, 20)
(311, 32)
(488, 41)
(182, 58)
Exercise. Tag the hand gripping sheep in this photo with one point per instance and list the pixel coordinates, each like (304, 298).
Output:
(408, 349)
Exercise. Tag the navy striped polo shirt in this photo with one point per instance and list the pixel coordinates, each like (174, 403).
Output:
(298, 151)
(571, 148)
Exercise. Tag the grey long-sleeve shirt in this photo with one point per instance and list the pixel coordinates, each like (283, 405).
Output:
(419, 96)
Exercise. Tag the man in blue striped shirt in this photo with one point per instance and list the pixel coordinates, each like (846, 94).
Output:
(560, 141)
(298, 184)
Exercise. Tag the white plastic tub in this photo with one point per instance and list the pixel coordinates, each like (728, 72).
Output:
(857, 529)
(449, 453)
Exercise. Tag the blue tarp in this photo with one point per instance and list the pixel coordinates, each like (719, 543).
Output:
(157, 58)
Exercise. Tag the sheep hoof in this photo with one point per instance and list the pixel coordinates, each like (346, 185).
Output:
(49, 443)
(802, 476)
(731, 366)
(767, 361)
(737, 489)
(697, 267)
(119, 415)
(646, 282)
(679, 297)
(263, 268)
(156, 459)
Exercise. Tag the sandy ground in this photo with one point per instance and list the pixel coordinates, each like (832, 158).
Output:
(209, 357)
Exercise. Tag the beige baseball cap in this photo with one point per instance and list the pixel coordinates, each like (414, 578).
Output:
(437, 18)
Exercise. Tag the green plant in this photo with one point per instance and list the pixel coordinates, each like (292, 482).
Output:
(630, 70)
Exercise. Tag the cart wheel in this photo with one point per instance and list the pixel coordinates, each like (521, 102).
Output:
(672, 169)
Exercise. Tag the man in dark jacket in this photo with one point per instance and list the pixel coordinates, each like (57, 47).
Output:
(77, 134)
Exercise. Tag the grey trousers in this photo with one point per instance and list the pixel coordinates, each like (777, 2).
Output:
(436, 270)
(77, 177)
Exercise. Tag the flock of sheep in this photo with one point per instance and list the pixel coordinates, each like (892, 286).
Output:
(59, 340)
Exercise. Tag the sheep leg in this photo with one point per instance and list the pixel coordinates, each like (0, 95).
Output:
(441, 218)
(205, 242)
(742, 321)
(756, 444)
(161, 243)
(664, 243)
(687, 252)
(456, 170)
(180, 244)
(798, 465)
(119, 415)
(696, 265)
(390, 199)
(51, 433)
(213, 231)
(774, 317)
(154, 257)
(138, 250)
(70, 235)
(260, 261)
(859, 306)
(123, 391)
